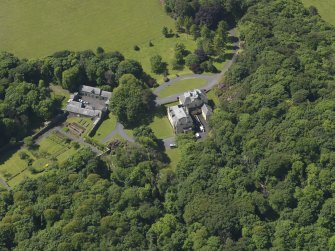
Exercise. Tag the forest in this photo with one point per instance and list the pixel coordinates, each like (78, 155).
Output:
(262, 180)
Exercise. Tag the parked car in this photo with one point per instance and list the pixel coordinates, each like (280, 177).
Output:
(197, 135)
(202, 128)
(173, 145)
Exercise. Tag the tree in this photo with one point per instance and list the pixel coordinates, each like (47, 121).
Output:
(130, 100)
(165, 31)
(100, 50)
(157, 64)
(28, 142)
(194, 31)
(73, 78)
(193, 62)
(129, 67)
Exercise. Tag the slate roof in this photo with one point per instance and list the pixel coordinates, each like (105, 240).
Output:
(90, 89)
(193, 96)
(83, 111)
(178, 113)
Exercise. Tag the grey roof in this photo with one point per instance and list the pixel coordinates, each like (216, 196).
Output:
(106, 94)
(75, 104)
(83, 111)
(90, 89)
(192, 96)
(206, 109)
(178, 113)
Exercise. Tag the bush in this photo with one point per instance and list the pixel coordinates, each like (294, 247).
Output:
(136, 48)
(151, 44)
(23, 155)
(75, 145)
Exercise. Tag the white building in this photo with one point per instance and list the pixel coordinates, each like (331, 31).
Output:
(193, 99)
(179, 118)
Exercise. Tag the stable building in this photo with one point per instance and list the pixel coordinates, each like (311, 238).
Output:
(94, 92)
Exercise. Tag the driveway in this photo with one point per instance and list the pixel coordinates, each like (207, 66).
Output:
(212, 80)
(119, 129)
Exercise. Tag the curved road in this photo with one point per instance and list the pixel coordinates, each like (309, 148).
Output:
(212, 80)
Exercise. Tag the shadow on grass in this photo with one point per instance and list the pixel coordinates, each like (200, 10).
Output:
(6, 155)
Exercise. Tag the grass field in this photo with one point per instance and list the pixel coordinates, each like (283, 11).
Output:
(182, 86)
(326, 8)
(105, 128)
(41, 27)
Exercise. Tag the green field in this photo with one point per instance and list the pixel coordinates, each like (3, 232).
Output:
(326, 8)
(182, 86)
(41, 27)
(107, 126)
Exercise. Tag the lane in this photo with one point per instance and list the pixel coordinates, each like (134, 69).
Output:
(212, 80)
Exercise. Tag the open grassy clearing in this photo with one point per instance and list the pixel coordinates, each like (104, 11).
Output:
(326, 8)
(175, 157)
(105, 128)
(182, 86)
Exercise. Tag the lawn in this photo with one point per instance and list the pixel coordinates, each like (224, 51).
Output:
(182, 86)
(326, 8)
(11, 164)
(213, 97)
(175, 157)
(105, 128)
(161, 127)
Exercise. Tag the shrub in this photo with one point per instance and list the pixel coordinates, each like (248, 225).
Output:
(136, 48)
